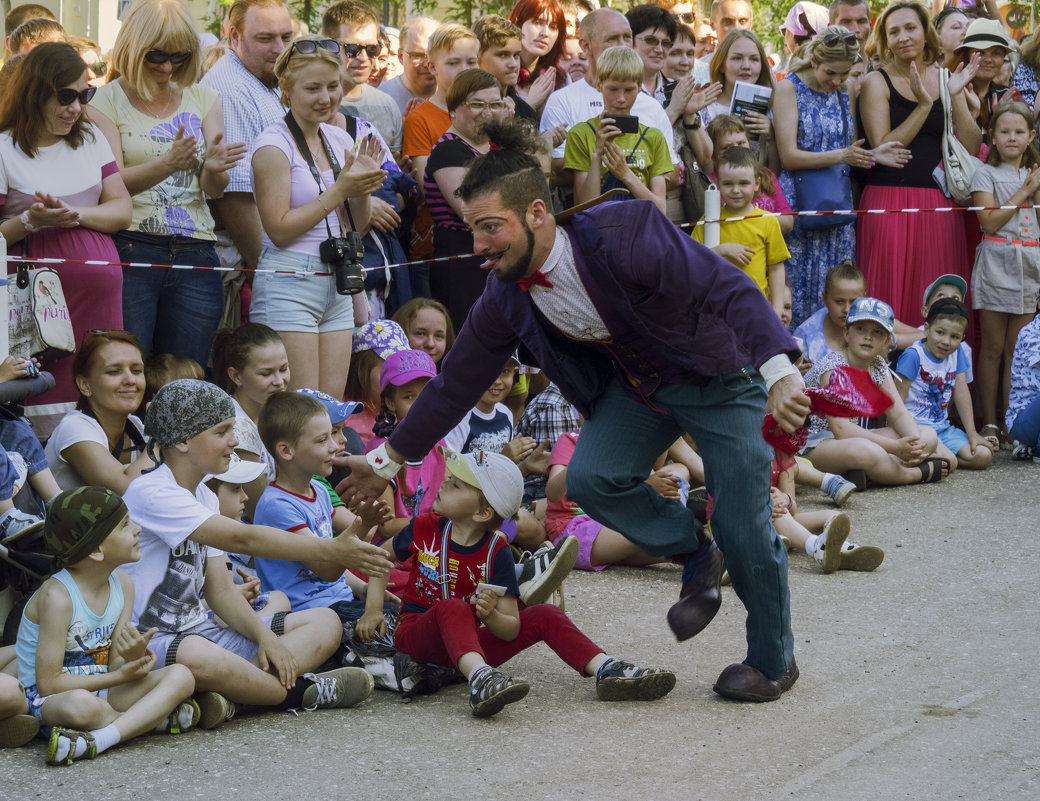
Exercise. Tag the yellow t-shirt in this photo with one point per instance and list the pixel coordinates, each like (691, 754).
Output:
(762, 234)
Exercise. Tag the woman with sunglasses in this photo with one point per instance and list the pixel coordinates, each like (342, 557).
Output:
(167, 133)
(475, 98)
(815, 127)
(61, 196)
(306, 174)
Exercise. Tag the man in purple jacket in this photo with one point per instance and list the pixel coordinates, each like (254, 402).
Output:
(650, 335)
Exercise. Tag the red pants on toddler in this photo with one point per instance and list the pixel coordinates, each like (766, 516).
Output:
(449, 629)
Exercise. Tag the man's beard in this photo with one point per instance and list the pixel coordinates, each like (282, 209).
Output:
(515, 272)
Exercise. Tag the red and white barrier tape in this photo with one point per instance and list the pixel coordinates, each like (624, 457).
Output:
(443, 259)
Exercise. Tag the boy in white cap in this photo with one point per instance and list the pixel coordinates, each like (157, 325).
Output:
(463, 575)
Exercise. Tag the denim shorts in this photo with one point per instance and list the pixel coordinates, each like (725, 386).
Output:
(165, 645)
(949, 435)
(299, 302)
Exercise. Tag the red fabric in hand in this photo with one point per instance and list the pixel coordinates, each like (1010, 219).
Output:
(850, 393)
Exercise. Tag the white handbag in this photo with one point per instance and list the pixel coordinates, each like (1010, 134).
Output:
(958, 164)
(39, 323)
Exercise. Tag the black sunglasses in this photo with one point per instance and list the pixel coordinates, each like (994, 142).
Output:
(351, 50)
(161, 57)
(66, 97)
(687, 17)
(831, 39)
(308, 46)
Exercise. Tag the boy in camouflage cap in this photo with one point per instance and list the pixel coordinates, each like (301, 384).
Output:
(255, 660)
(65, 648)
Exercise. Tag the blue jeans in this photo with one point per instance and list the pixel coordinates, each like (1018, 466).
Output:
(171, 311)
(615, 452)
(1026, 428)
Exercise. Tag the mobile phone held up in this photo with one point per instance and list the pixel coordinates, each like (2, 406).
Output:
(626, 123)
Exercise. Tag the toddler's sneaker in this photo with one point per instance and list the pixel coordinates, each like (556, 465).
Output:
(623, 681)
(492, 690)
(337, 688)
(840, 491)
(863, 558)
(827, 550)
(14, 521)
(544, 570)
(184, 718)
(214, 710)
(18, 730)
(1023, 453)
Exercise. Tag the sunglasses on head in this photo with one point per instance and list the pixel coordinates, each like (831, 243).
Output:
(66, 97)
(687, 17)
(351, 50)
(98, 67)
(161, 57)
(308, 46)
(831, 39)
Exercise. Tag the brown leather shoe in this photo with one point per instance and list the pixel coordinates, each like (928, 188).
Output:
(701, 595)
(745, 683)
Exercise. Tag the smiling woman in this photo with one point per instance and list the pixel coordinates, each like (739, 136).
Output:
(61, 195)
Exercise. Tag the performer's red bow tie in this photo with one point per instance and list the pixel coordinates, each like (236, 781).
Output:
(538, 278)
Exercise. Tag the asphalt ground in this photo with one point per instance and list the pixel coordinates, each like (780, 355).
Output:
(916, 682)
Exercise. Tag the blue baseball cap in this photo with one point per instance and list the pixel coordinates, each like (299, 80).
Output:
(338, 410)
(871, 309)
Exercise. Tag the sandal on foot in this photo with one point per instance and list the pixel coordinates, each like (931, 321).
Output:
(71, 735)
(932, 470)
(993, 438)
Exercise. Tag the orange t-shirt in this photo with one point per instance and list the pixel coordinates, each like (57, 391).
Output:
(422, 128)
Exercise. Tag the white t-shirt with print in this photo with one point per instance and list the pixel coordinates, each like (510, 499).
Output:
(169, 576)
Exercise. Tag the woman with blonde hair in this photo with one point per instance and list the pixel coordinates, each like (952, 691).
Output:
(167, 132)
(312, 185)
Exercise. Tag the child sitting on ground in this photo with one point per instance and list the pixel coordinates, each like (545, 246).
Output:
(489, 427)
(755, 245)
(930, 373)
(372, 343)
(82, 663)
(600, 155)
(463, 576)
(339, 412)
(428, 327)
(900, 453)
(255, 660)
(599, 546)
(726, 131)
(823, 331)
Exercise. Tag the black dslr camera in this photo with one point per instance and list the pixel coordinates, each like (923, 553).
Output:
(343, 254)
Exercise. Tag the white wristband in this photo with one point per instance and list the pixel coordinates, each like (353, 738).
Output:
(776, 368)
(29, 227)
(382, 465)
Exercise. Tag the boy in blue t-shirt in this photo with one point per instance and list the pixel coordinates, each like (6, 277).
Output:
(931, 372)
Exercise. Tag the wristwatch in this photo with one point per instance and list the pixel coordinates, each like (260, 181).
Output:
(695, 125)
(24, 220)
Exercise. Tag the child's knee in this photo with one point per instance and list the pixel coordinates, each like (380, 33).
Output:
(77, 709)
(178, 678)
(12, 697)
(322, 622)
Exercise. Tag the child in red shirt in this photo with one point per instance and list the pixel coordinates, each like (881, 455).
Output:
(460, 607)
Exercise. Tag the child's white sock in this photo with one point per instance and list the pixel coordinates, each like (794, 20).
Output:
(103, 738)
(810, 544)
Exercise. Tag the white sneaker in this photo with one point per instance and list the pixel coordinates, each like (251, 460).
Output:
(827, 550)
(545, 569)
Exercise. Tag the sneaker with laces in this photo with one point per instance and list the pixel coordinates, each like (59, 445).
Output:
(1023, 453)
(827, 550)
(623, 681)
(214, 710)
(863, 558)
(337, 688)
(544, 570)
(492, 690)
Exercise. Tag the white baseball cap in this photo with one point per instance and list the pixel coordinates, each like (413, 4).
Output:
(493, 474)
(239, 471)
